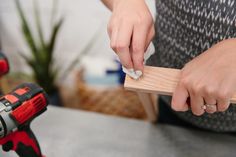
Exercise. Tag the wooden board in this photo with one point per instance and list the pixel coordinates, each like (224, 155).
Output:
(157, 80)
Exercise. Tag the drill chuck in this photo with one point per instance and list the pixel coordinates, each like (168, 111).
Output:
(6, 123)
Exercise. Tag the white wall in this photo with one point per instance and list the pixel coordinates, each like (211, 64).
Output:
(83, 20)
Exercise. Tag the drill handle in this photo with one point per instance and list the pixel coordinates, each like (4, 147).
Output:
(23, 142)
(31, 146)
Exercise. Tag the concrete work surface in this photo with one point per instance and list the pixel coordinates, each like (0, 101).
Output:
(70, 133)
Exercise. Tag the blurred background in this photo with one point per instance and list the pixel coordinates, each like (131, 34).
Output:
(63, 46)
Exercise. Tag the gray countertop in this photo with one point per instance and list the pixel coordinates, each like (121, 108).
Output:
(71, 133)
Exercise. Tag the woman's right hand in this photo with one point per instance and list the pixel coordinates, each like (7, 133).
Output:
(131, 30)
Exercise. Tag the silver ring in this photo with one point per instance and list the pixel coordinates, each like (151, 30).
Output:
(210, 106)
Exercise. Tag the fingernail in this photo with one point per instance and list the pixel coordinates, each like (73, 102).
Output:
(138, 73)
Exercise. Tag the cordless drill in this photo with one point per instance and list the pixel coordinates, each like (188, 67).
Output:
(17, 109)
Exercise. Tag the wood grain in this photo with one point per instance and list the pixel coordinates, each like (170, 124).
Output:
(157, 80)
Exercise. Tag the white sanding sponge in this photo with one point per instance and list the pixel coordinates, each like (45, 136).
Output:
(138, 73)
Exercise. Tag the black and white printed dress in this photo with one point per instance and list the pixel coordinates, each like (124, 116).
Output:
(185, 29)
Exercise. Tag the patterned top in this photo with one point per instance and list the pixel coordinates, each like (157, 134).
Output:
(185, 29)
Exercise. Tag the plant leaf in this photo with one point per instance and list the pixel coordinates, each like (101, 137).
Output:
(53, 38)
(38, 25)
(26, 30)
(54, 11)
(42, 50)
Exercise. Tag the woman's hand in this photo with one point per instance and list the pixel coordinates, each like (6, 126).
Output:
(131, 30)
(208, 79)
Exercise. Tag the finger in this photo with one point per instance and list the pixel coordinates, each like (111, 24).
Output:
(120, 43)
(224, 95)
(223, 104)
(109, 29)
(113, 36)
(211, 104)
(138, 46)
(150, 37)
(197, 104)
(179, 98)
(211, 108)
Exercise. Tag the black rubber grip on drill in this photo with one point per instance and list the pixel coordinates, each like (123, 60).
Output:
(27, 151)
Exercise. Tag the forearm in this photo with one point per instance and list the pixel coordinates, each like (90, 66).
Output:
(108, 3)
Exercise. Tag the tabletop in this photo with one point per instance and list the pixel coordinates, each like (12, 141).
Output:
(71, 133)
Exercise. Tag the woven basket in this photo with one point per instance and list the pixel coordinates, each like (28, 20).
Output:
(114, 101)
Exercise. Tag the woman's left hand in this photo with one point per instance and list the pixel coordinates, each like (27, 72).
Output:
(209, 80)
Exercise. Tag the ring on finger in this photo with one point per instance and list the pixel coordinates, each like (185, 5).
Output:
(210, 106)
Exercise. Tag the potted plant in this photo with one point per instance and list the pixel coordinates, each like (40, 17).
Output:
(42, 50)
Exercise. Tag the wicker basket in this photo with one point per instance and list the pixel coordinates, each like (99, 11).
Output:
(114, 101)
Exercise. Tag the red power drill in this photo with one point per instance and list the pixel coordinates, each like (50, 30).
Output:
(17, 110)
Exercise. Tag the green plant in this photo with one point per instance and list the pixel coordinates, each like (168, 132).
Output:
(41, 61)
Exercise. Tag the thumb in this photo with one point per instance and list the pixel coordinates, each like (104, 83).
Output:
(180, 98)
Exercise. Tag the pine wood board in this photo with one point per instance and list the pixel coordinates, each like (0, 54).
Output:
(157, 80)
